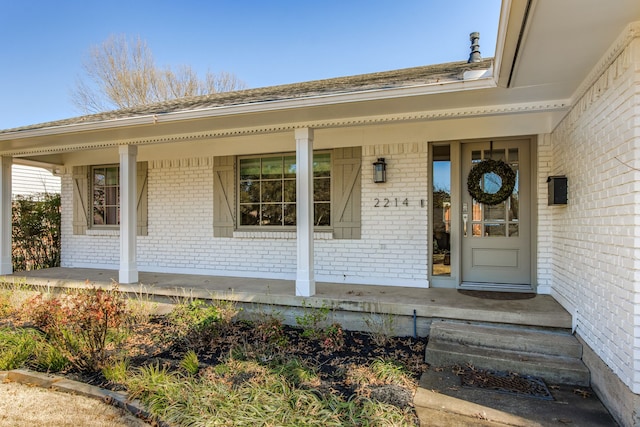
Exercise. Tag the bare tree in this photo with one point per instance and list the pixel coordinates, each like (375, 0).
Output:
(122, 73)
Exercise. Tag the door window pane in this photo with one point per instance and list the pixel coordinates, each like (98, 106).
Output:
(496, 220)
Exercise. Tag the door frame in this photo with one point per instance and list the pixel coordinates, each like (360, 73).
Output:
(454, 281)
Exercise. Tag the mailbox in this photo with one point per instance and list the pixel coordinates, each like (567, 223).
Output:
(557, 186)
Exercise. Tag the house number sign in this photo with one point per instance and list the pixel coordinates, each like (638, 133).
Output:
(395, 203)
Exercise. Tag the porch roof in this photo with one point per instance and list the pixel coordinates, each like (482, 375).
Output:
(433, 303)
(408, 77)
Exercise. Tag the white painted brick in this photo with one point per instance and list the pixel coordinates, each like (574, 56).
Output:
(593, 241)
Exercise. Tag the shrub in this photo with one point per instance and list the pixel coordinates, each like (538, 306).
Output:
(313, 320)
(36, 232)
(79, 323)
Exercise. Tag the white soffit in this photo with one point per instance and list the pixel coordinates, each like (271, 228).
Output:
(563, 40)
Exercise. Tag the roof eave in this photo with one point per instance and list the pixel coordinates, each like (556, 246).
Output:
(484, 81)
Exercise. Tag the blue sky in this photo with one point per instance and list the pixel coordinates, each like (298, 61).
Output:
(264, 43)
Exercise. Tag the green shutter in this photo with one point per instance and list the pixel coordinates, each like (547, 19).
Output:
(80, 199)
(346, 197)
(141, 197)
(223, 196)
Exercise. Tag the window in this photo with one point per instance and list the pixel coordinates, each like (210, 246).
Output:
(267, 190)
(105, 182)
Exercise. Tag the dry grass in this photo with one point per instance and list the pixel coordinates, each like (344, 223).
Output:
(27, 406)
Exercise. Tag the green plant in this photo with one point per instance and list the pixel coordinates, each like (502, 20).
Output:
(190, 363)
(117, 371)
(391, 372)
(36, 232)
(194, 315)
(332, 337)
(271, 330)
(16, 347)
(79, 323)
(381, 328)
(312, 320)
(140, 306)
(28, 348)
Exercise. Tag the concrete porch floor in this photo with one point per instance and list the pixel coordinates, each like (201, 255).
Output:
(432, 303)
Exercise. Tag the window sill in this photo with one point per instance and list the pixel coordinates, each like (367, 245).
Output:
(317, 235)
(103, 232)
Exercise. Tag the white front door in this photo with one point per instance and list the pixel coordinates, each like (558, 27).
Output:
(496, 240)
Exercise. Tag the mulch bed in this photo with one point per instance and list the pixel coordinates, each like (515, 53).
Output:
(148, 344)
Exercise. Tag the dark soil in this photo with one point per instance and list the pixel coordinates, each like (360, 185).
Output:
(151, 343)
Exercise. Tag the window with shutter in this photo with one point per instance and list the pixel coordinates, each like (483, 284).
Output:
(260, 193)
(96, 197)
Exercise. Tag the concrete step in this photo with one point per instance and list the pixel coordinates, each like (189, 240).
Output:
(505, 348)
(508, 337)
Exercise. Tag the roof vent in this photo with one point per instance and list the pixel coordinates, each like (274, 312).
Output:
(474, 56)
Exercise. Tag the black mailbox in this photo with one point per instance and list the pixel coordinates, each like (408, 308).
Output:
(557, 186)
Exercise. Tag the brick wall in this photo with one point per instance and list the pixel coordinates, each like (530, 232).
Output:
(596, 237)
(392, 250)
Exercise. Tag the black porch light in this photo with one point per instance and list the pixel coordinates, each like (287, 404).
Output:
(379, 171)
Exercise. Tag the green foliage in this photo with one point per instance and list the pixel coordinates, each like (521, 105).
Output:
(312, 320)
(245, 393)
(36, 232)
(190, 363)
(194, 324)
(79, 323)
(28, 348)
(116, 372)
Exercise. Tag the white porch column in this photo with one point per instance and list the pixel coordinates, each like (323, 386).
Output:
(128, 217)
(305, 280)
(6, 266)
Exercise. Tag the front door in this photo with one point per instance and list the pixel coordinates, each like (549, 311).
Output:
(496, 239)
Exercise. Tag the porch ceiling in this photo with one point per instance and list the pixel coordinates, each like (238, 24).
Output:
(560, 42)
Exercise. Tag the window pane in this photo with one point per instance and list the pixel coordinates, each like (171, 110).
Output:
(249, 168)
(289, 214)
(112, 196)
(494, 230)
(98, 196)
(98, 215)
(112, 176)
(290, 167)
(513, 230)
(112, 215)
(249, 192)
(513, 155)
(249, 214)
(271, 191)
(322, 189)
(476, 230)
(271, 214)
(322, 214)
(495, 212)
(290, 190)
(272, 168)
(322, 165)
(98, 176)
(267, 190)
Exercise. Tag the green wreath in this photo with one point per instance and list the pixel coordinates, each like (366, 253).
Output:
(500, 168)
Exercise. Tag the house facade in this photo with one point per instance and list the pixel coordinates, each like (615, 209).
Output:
(279, 182)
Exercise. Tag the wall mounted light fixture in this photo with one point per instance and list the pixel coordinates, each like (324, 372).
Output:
(380, 171)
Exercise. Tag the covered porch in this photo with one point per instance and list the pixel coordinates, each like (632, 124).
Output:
(414, 308)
